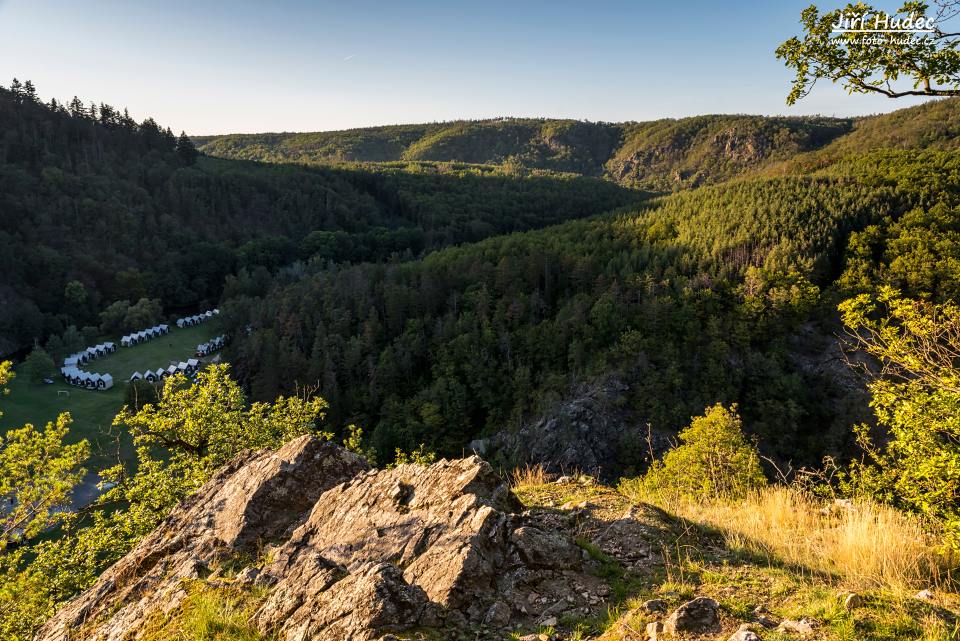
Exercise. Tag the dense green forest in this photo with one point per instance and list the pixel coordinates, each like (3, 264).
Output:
(693, 298)
(96, 208)
(663, 155)
(373, 280)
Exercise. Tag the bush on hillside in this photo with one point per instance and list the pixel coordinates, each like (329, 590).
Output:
(715, 460)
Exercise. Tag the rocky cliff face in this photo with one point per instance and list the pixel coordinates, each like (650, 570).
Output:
(334, 550)
(589, 432)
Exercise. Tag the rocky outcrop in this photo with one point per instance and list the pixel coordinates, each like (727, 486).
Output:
(252, 501)
(346, 552)
(589, 432)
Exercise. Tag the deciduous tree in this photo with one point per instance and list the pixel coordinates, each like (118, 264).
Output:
(837, 46)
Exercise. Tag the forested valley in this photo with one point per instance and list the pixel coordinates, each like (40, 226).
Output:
(693, 298)
(439, 289)
(96, 208)
(433, 301)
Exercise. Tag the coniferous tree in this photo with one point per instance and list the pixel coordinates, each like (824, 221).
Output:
(127, 122)
(76, 108)
(185, 149)
(107, 115)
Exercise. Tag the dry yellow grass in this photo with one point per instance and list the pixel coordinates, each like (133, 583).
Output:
(868, 545)
(529, 476)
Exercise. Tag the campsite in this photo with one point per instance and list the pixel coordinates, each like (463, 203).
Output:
(93, 410)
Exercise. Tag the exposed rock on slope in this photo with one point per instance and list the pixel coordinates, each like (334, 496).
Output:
(254, 499)
(590, 432)
(351, 553)
(307, 543)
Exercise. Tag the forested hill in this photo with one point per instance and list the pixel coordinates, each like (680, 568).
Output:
(723, 294)
(96, 208)
(662, 155)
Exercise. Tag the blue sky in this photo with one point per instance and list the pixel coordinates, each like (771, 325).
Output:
(219, 67)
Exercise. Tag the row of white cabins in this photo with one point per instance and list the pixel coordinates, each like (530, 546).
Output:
(188, 367)
(90, 380)
(144, 335)
(89, 354)
(190, 321)
(212, 345)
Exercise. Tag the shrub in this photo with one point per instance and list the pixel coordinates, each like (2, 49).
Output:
(420, 456)
(714, 460)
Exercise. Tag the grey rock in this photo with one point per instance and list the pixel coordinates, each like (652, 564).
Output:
(255, 498)
(247, 576)
(361, 606)
(352, 553)
(698, 616)
(852, 601)
(654, 630)
(498, 616)
(590, 431)
(545, 550)
(766, 621)
(744, 633)
(805, 627)
(653, 606)
(479, 446)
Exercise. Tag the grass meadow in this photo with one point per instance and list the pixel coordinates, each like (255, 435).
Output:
(93, 411)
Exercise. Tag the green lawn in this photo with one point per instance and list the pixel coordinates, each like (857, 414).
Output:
(93, 411)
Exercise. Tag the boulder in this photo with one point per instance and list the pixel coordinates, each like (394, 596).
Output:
(805, 627)
(254, 499)
(852, 601)
(361, 607)
(590, 431)
(698, 616)
(347, 553)
(744, 633)
(653, 606)
(544, 549)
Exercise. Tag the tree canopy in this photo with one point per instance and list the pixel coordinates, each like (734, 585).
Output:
(910, 53)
